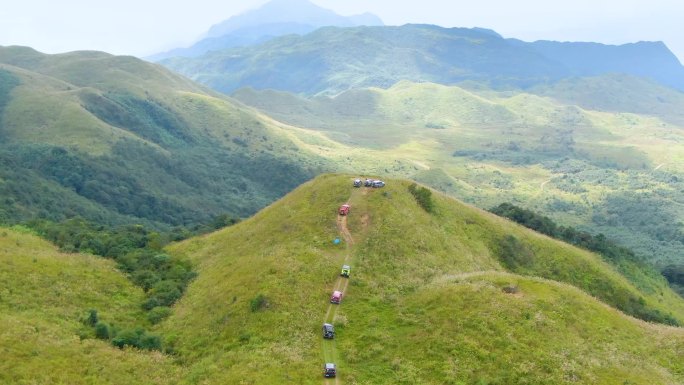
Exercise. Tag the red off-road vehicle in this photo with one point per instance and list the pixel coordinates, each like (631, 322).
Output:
(336, 297)
(344, 209)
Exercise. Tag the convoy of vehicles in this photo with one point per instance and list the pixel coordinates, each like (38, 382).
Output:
(374, 183)
(330, 369)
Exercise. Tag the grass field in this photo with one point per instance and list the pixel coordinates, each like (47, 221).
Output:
(44, 297)
(424, 305)
(431, 299)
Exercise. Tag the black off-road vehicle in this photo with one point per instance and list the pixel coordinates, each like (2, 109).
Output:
(329, 370)
(328, 331)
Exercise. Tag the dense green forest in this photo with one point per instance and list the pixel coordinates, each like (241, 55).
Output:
(55, 183)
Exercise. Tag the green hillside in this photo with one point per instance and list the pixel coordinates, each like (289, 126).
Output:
(434, 297)
(599, 167)
(425, 301)
(118, 140)
(45, 295)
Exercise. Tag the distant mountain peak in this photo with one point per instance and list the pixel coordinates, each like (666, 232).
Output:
(272, 19)
(291, 11)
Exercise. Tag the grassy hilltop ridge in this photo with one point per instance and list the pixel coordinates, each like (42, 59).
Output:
(425, 301)
(433, 298)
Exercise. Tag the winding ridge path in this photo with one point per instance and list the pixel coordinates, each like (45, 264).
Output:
(329, 346)
(544, 184)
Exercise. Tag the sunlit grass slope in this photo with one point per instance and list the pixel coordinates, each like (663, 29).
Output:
(425, 302)
(44, 297)
(285, 253)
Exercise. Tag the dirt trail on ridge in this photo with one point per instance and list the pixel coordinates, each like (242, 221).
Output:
(342, 227)
(329, 346)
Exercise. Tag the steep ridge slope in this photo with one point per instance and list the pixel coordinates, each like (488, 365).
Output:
(44, 295)
(119, 140)
(424, 303)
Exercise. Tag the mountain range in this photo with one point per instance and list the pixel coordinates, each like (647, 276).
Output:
(608, 170)
(331, 60)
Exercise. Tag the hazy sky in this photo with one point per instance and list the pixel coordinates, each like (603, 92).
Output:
(143, 27)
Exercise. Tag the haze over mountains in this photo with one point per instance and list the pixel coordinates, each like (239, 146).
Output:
(273, 19)
(351, 65)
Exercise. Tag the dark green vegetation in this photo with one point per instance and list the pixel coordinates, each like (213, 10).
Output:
(675, 275)
(532, 220)
(332, 60)
(137, 338)
(7, 82)
(138, 254)
(423, 197)
(116, 140)
(136, 250)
